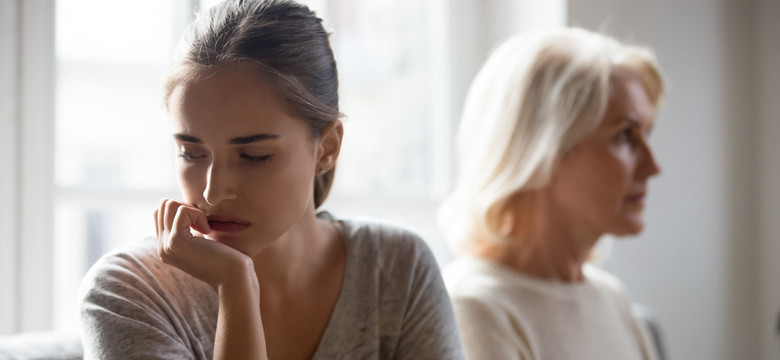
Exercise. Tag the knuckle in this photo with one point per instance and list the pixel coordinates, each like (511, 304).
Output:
(171, 205)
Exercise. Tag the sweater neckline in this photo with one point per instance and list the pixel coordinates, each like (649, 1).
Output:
(553, 287)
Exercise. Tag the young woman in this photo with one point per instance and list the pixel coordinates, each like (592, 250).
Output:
(243, 266)
(554, 153)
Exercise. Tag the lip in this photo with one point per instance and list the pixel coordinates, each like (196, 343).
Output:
(637, 198)
(227, 224)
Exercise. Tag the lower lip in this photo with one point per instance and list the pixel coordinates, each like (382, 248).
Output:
(636, 200)
(226, 227)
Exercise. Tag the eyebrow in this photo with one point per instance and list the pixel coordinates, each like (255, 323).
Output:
(253, 138)
(629, 119)
(634, 122)
(235, 141)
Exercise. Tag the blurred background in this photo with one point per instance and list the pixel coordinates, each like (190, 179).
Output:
(85, 153)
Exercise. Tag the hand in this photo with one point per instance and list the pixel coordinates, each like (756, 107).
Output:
(180, 228)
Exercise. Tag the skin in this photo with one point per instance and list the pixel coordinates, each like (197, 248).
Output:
(247, 225)
(598, 187)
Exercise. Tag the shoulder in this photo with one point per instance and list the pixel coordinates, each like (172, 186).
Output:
(130, 296)
(134, 273)
(485, 293)
(491, 317)
(386, 243)
(470, 279)
(126, 264)
(604, 280)
(610, 287)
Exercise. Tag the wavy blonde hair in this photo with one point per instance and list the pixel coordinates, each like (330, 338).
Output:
(537, 96)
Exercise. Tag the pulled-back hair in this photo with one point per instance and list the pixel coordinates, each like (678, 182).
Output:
(284, 41)
(537, 96)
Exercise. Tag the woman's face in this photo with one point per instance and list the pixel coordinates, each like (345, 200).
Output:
(243, 158)
(602, 182)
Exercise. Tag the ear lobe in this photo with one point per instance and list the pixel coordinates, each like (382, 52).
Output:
(330, 146)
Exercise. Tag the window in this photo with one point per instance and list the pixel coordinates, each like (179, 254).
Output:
(111, 132)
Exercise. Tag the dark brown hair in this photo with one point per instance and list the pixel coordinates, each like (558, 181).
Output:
(285, 41)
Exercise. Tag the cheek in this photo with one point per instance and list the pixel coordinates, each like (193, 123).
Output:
(597, 179)
(610, 178)
(191, 182)
(286, 187)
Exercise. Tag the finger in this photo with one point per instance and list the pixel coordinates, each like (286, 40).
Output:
(188, 217)
(160, 213)
(156, 225)
(161, 236)
(170, 207)
(200, 222)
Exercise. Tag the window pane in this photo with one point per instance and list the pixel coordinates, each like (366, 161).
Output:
(110, 125)
(111, 132)
(380, 49)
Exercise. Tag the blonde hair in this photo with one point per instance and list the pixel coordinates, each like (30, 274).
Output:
(536, 97)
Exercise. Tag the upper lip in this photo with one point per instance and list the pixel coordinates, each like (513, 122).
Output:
(226, 218)
(637, 195)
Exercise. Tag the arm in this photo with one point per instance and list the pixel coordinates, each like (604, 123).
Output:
(428, 330)
(231, 273)
(239, 325)
(121, 309)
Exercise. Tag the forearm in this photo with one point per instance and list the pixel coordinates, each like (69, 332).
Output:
(240, 333)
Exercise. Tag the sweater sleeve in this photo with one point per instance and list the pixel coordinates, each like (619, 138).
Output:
(126, 315)
(487, 334)
(428, 330)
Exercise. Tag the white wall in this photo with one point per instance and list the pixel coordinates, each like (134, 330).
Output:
(768, 46)
(8, 164)
(696, 263)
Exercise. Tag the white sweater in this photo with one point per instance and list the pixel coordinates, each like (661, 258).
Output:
(504, 314)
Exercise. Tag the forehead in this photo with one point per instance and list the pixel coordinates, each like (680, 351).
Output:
(628, 98)
(233, 98)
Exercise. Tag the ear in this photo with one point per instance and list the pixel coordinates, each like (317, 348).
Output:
(329, 147)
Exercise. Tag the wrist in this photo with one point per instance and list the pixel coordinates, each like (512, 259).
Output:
(240, 279)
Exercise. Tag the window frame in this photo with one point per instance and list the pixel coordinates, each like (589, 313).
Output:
(27, 74)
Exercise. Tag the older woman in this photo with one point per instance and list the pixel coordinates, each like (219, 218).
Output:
(553, 153)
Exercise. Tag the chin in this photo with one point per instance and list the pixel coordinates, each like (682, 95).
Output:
(245, 246)
(628, 228)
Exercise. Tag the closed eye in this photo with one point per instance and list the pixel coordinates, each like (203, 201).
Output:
(190, 157)
(251, 158)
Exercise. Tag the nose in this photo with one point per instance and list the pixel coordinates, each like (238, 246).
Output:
(219, 185)
(648, 165)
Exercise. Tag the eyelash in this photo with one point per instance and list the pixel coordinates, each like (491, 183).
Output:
(256, 159)
(191, 158)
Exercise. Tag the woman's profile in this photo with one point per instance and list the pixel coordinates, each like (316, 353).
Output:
(244, 266)
(553, 154)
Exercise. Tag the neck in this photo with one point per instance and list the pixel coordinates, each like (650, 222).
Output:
(293, 261)
(547, 245)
